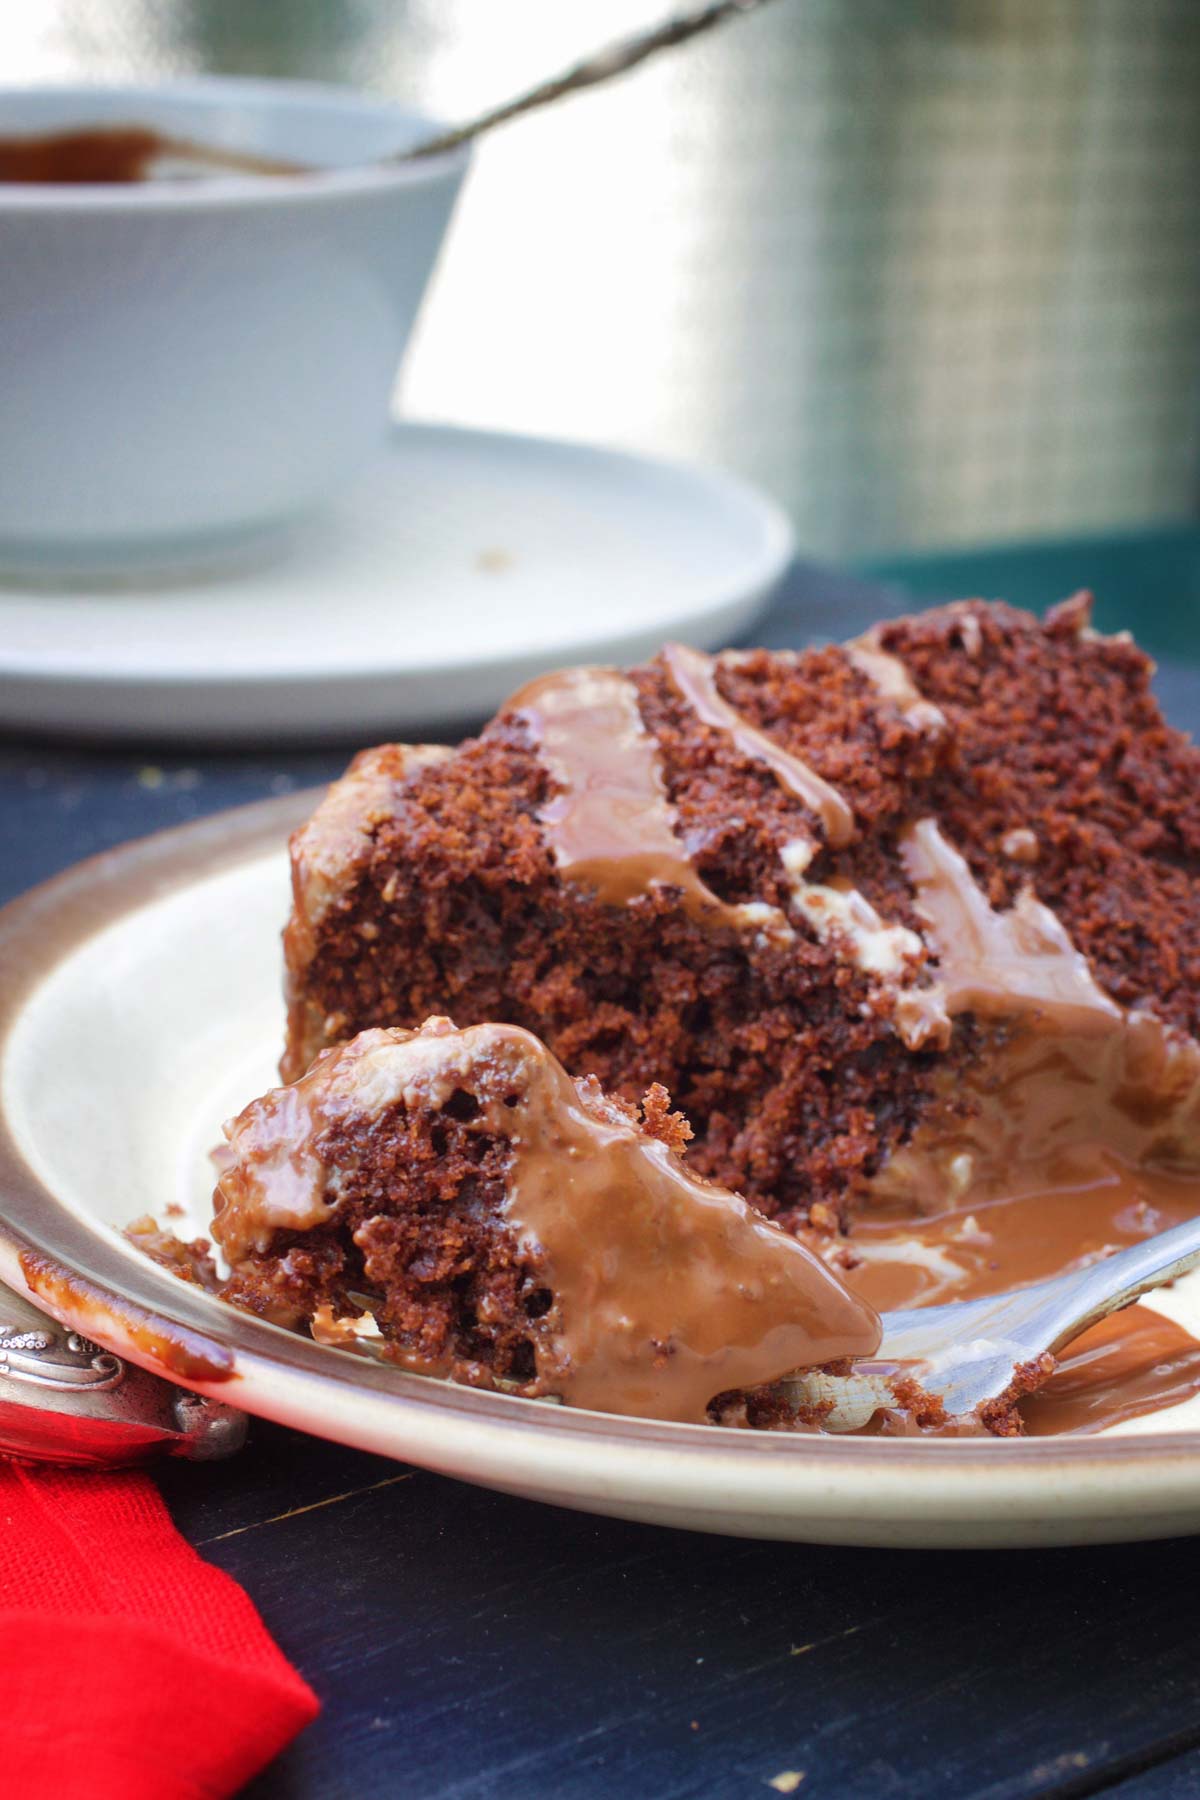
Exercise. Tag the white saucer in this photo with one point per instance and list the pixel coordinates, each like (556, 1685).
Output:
(463, 563)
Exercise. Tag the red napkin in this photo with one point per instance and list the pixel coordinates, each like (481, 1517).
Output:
(132, 1669)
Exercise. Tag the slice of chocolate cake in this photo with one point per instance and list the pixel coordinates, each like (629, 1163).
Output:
(898, 924)
(458, 1195)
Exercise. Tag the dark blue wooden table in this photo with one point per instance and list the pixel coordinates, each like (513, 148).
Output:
(467, 1644)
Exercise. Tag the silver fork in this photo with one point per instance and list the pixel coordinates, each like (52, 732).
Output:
(968, 1351)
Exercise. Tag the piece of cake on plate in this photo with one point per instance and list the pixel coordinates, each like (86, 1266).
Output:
(906, 922)
(908, 928)
(453, 1196)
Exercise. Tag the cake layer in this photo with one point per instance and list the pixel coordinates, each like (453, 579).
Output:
(715, 873)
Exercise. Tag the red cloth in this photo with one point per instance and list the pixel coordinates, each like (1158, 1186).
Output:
(130, 1669)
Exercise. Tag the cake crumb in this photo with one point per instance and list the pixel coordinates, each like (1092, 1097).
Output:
(494, 561)
(658, 1121)
(1020, 845)
(1002, 1416)
(927, 1411)
(191, 1262)
(787, 1781)
(1071, 617)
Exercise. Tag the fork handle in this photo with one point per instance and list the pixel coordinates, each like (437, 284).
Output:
(1116, 1281)
(64, 1399)
(1047, 1315)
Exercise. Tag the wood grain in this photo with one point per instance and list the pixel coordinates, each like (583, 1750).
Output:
(501, 1648)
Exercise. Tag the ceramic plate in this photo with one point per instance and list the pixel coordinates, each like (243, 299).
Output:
(141, 1006)
(463, 563)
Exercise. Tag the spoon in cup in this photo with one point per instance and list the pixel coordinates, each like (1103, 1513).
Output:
(131, 152)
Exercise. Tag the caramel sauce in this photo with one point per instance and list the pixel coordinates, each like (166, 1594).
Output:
(999, 964)
(694, 677)
(894, 685)
(175, 1351)
(112, 153)
(667, 1290)
(1132, 1363)
(1075, 1132)
(670, 1290)
(610, 824)
(271, 1179)
(909, 1260)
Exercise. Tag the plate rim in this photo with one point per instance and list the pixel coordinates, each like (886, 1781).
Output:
(271, 1371)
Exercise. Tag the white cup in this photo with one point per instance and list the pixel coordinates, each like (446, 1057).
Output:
(187, 365)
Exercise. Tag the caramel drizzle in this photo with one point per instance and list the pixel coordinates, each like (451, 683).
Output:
(666, 1290)
(694, 677)
(1076, 1130)
(998, 964)
(1076, 1110)
(841, 916)
(893, 683)
(610, 824)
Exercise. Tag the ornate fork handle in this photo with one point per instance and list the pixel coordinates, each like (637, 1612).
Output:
(64, 1399)
(38, 1357)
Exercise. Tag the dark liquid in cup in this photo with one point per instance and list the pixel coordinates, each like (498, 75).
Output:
(114, 154)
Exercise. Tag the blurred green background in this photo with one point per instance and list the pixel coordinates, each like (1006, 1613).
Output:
(927, 270)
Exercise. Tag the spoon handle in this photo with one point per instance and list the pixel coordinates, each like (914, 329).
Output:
(616, 59)
(192, 159)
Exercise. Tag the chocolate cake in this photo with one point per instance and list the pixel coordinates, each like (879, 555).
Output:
(456, 1194)
(907, 928)
(761, 880)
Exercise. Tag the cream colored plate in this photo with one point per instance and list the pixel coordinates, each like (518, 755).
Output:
(141, 1005)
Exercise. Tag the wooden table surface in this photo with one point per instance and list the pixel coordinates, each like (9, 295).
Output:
(468, 1644)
